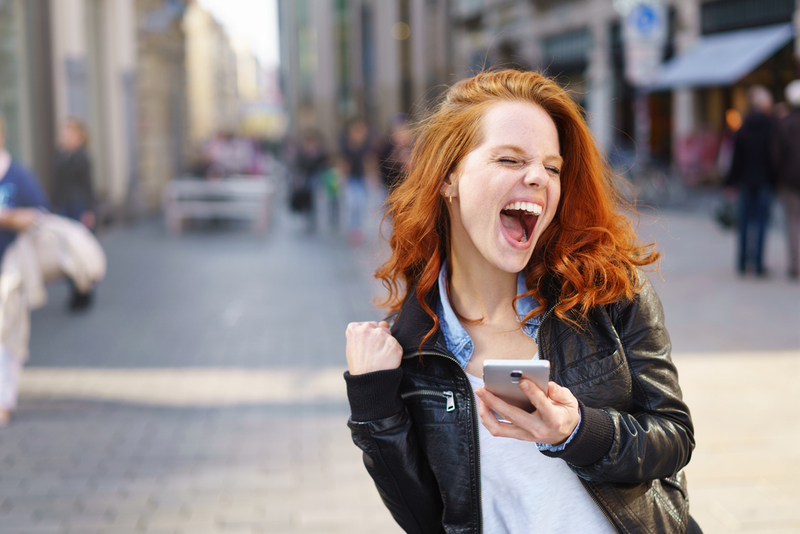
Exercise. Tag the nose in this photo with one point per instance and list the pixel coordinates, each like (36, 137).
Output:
(537, 175)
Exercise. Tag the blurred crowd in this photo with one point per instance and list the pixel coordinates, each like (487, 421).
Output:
(228, 154)
(338, 175)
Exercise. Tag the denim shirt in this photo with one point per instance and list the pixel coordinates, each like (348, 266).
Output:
(461, 345)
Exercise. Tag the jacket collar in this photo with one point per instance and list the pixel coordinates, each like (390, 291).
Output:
(412, 324)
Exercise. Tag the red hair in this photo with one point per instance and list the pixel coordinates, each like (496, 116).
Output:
(588, 256)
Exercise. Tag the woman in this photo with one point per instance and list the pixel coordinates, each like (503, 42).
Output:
(356, 151)
(508, 242)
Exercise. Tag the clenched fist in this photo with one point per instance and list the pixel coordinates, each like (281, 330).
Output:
(371, 347)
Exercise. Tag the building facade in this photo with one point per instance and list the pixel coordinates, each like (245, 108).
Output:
(345, 58)
(211, 70)
(118, 65)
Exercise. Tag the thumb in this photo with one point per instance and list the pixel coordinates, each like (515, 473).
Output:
(558, 394)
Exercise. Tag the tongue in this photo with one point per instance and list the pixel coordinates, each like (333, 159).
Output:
(512, 222)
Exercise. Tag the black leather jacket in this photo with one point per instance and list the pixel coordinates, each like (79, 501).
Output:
(418, 425)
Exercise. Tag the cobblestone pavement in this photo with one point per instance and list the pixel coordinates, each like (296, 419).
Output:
(203, 392)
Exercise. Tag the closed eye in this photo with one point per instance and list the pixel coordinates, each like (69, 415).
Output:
(554, 170)
(510, 161)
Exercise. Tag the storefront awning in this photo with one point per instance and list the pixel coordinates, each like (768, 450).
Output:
(723, 58)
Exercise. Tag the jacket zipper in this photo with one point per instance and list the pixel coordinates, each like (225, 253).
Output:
(597, 502)
(475, 424)
(584, 483)
(448, 396)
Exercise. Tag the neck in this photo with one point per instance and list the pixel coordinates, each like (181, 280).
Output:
(481, 292)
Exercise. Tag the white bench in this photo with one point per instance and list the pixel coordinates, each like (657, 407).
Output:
(235, 197)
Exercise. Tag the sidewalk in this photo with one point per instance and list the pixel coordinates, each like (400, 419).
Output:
(203, 394)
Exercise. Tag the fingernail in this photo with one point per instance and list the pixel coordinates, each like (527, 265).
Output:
(524, 385)
(479, 393)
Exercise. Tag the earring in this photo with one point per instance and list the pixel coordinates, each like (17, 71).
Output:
(451, 199)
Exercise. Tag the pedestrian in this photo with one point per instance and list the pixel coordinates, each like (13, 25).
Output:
(394, 152)
(73, 191)
(752, 175)
(509, 240)
(356, 150)
(786, 148)
(21, 203)
(310, 162)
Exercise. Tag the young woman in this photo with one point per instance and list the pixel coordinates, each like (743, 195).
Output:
(508, 242)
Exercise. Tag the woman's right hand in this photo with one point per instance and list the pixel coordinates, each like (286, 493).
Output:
(371, 347)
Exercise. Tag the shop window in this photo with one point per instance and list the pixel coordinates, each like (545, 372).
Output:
(728, 15)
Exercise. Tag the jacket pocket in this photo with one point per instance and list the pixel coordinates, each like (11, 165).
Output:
(601, 379)
(431, 406)
(672, 500)
(659, 505)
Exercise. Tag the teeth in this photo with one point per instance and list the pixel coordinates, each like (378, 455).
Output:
(529, 207)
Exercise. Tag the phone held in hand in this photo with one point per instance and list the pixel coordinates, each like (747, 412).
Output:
(501, 377)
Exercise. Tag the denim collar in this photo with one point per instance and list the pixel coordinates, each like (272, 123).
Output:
(458, 340)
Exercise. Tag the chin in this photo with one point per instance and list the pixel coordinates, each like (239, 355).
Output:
(513, 264)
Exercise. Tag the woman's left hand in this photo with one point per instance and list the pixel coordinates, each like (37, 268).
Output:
(556, 416)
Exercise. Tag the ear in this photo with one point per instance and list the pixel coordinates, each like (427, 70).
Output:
(448, 188)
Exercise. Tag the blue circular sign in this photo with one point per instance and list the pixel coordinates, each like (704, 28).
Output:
(645, 18)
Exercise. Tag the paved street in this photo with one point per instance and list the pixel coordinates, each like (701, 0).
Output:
(203, 392)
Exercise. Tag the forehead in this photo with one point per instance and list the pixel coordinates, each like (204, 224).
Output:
(524, 124)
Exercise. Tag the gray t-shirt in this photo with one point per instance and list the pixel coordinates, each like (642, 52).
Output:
(524, 492)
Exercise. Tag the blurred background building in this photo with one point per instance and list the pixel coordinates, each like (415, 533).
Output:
(660, 77)
(152, 79)
(156, 80)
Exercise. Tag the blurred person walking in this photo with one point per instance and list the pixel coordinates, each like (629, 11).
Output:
(394, 152)
(752, 175)
(21, 203)
(73, 191)
(356, 151)
(309, 163)
(787, 166)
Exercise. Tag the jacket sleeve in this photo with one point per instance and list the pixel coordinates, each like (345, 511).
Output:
(655, 437)
(382, 429)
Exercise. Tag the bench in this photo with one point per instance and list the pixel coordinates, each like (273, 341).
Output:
(234, 197)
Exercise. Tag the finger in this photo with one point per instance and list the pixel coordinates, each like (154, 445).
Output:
(498, 428)
(502, 408)
(559, 394)
(560, 414)
(533, 392)
(383, 325)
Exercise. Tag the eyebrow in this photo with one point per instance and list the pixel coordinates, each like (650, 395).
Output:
(519, 150)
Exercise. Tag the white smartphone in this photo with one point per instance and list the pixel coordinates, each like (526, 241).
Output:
(502, 377)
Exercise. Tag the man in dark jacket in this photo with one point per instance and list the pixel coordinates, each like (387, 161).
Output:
(73, 194)
(787, 165)
(752, 174)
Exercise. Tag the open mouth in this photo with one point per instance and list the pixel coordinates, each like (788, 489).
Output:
(519, 219)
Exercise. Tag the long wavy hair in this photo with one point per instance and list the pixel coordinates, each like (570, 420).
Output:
(588, 256)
